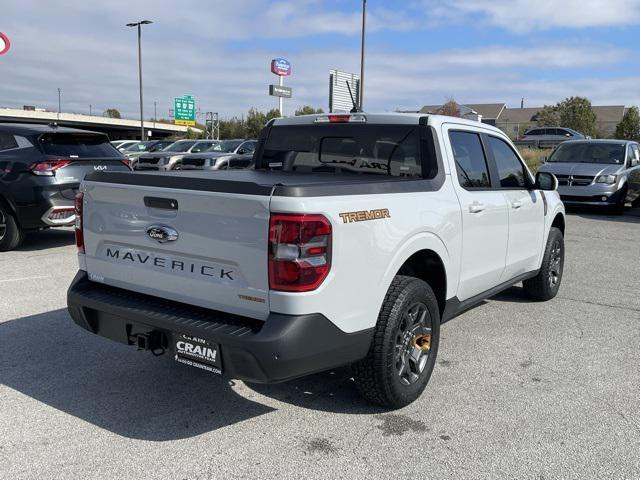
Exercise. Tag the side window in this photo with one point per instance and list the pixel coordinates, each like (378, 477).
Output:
(636, 152)
(471, 163)
(632, 155)
(7, 141)
(248, 147)
(511, 172)
(533, 132)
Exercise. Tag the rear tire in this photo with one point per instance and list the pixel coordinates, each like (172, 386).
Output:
(11, 235)
(546, 284)
(403, 350)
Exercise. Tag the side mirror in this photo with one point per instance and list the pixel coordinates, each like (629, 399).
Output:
(546, 181)
(544, 159)
(242, 151)
(635, 162)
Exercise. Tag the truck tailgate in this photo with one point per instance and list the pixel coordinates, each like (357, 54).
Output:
(217, 261)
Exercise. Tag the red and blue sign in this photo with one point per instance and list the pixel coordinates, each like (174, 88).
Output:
(280, 67)
(5, 44)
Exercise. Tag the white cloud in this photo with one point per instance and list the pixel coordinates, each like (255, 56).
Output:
(523, 16)
(91, 55)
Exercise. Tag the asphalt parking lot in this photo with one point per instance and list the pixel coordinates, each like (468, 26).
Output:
(521, 390)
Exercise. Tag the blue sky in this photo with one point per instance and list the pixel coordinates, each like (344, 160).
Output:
(419, 52)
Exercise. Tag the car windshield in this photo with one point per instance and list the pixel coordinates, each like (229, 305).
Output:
(159, 146)
(137, 147)
(78, 145)
(201, 147)
(179, 146)
(606, 153)
(345, 148)
(226, 146)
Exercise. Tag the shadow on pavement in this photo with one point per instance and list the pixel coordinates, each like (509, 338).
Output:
(136, 395)
(55, 237)
(130, 393)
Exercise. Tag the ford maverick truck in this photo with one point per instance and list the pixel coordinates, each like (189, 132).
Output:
(352, 240)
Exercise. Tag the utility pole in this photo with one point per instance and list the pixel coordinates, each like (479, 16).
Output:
(155, 113)
(59, 102)
(90, 109)
(364, 25)
(139, 26)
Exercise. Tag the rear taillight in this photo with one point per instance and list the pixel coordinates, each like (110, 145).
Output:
(299, 252)
(48, 168)
(79, 228)
(127, 162)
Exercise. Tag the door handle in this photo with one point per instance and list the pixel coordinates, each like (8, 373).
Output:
(476, 207)
(516, 204)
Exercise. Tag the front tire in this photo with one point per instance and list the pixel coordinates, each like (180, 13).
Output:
(11, 235)
(618, 208)
(546, 284)
(403, 351)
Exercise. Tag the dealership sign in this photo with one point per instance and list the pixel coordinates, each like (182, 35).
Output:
(279, 91)
(5, 44)
(280, 67)
(184, 112)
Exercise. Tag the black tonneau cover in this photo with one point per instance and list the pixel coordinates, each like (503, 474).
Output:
(265, 182)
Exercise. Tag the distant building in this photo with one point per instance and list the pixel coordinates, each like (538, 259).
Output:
(514, 121)
(487, 112)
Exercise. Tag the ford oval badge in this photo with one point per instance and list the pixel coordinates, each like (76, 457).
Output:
(162, 233)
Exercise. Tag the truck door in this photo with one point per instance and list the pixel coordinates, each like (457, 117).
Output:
(525, 206)
(485, 218)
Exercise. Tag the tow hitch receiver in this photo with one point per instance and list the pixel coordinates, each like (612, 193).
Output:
(153, 341)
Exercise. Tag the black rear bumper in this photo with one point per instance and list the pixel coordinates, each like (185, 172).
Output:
(281, 348)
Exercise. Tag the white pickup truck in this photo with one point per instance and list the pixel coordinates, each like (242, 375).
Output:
(353, 239)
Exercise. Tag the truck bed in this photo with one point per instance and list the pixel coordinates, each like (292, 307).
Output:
(270, 183)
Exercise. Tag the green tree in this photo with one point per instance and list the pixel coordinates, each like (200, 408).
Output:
(576, 113)
(307, 110)
(548, 116)
(112, 113)
(256, 120)
(232, 128)
(629, 127)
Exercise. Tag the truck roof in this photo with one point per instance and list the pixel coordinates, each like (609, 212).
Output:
(392, 118)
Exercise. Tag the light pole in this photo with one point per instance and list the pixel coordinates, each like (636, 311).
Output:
(59, 102)
(364, 24)
(139, 25)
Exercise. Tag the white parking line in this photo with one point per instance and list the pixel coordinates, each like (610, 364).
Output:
(24, 278)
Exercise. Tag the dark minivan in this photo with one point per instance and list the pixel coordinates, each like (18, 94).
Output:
(41, 167)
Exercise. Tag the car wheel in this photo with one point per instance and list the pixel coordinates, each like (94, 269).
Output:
(403, 351)
(618, 208)
(178, 166)
(546, 284)
(11, 235)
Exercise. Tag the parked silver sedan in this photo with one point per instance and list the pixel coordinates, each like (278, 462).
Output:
(597, 172)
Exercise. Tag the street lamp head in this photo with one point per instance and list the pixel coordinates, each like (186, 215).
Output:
(142, 22)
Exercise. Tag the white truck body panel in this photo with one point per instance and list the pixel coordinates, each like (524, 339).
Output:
(218, 261)
(480, 249)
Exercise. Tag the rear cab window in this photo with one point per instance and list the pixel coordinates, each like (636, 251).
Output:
(77, 145)
(349, 148)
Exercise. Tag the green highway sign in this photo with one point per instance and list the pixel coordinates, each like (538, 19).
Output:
(184, 111)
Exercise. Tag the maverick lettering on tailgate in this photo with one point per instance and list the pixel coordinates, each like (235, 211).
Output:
(171, 264)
